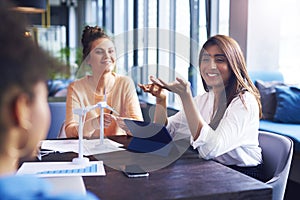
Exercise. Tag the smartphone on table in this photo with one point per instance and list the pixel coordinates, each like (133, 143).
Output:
(134, 171)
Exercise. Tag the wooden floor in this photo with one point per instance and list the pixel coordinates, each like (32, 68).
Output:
(292, 190)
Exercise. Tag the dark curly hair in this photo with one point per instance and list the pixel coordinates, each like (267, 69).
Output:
(90, 34)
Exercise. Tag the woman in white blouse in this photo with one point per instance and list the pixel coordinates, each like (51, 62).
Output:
(223, 122)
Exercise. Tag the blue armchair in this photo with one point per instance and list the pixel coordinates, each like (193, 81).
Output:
(58, 115)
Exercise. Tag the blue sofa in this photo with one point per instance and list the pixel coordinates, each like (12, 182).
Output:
(292, 130)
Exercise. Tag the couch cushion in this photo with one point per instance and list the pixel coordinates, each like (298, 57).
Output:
(288, 104)
(268, 98)
(290, 130)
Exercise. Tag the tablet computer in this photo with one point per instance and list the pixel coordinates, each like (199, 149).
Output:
(147, 136)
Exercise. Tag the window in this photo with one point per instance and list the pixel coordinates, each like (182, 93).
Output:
(289, 46)
(224, 17)
(160, 38)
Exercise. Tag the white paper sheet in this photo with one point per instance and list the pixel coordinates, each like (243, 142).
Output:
(58, 169)
(90, 147)
(72, 184)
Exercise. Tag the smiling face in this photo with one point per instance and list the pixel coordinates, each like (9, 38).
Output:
(102, 57)
(214, 67)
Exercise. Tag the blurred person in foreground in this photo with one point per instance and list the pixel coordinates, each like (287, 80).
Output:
(24, 110)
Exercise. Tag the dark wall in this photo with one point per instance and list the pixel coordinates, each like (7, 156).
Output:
(59, 16)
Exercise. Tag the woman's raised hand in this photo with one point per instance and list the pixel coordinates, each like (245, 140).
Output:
(154, 88)
(179, 87)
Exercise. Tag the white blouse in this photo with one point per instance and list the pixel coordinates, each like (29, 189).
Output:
(235, 141)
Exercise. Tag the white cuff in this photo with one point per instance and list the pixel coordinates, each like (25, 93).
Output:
(202, 137)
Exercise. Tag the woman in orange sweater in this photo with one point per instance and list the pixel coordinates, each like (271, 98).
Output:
(103, 85)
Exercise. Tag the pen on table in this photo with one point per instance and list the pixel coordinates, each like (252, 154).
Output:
(44, 153)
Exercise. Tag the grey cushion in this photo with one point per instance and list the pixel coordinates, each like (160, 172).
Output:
(268, 97)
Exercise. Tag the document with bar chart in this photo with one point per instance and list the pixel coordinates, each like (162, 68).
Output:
(54, 169)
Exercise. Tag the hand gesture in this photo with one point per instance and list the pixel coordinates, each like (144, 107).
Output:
(179, 86)
(154, 88)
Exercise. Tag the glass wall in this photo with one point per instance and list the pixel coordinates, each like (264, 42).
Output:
(152, 37)
(159, 38)
(163, 38)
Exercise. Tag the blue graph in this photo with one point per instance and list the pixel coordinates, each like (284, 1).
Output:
(90, 169)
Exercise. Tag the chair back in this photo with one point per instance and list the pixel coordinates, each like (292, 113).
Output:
(58, 116)
(277, 152)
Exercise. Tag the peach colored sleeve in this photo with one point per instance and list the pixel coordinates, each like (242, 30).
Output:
(131, 103)
(71, 123)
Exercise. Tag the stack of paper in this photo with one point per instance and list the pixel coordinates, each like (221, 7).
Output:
(90, 147)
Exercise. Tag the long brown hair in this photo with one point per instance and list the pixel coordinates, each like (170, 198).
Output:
(239, 81)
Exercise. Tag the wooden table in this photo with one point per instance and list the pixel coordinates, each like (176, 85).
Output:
(187, 178)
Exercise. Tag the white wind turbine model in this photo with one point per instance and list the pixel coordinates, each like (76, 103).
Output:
(103, 105)
(81, 112)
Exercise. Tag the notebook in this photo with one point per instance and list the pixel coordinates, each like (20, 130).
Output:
(147, 136)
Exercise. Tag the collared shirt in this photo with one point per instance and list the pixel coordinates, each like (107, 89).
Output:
(235, 140)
